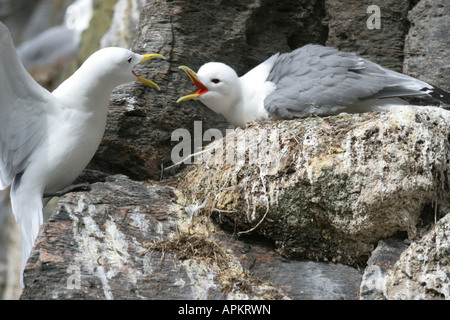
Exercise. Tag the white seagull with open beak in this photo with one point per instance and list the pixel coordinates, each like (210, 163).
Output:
(313, 79)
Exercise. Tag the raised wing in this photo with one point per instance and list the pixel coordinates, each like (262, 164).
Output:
(322, 80)
(24, 112)
(24, 105)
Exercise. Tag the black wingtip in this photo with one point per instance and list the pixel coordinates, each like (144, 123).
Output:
(440, 95)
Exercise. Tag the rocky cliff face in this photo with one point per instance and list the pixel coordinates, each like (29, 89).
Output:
(133, 240)
(328, 188)
(241, 34)
(349, 207)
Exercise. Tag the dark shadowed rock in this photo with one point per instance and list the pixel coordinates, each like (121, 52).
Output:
(348, 29)
(427, 43)
(381, 261)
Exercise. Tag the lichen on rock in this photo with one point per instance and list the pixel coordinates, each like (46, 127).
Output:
(334, 186)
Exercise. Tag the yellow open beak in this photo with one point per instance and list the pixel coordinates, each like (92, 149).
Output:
(202, 89)
(147, 57)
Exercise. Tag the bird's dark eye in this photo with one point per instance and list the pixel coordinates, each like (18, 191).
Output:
(216, 81)
(129, 59)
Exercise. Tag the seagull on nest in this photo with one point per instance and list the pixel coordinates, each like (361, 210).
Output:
(47, 139)
(313, 79)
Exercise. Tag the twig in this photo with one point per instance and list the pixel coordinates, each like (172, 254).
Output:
(256, 226)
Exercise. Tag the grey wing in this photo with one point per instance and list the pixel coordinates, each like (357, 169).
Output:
(23, 108)
(322, 80)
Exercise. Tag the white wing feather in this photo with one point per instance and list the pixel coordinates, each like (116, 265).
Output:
(24, 107)
(29, 216)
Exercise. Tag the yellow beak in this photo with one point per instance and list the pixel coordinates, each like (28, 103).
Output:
(202, 89)
(147, 57)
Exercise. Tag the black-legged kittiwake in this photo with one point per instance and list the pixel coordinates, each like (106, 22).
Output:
(47, 139)
(313, 79)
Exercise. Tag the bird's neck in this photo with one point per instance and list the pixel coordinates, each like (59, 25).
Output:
(245, 104)
(255, 88)
(81, 86)
(251, 107)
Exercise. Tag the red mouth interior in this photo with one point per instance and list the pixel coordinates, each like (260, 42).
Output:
(201, 88)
